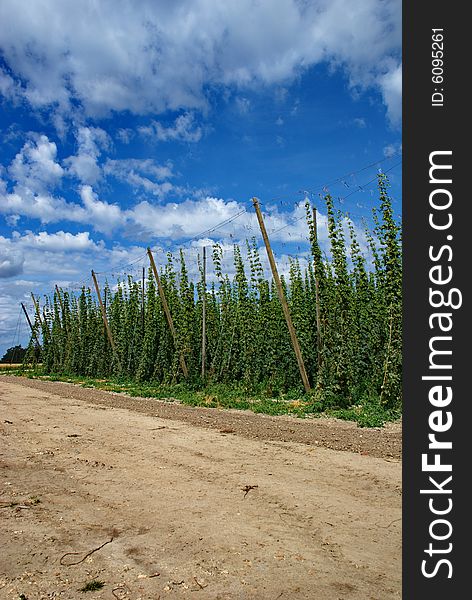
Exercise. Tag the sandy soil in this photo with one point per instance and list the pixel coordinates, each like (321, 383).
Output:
(172, 495)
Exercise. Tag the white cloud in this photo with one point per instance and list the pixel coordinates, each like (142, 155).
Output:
(184, 129)
(62, 241)
(192, 218)
(391, 86)
(121, 167)
(153, 56)
(143, 174)
(8, 87)
(44, 207)
(47, 208)
(11, 261)
(103, 216)
(182, 220)
(84, 165)
(21, 248)
(34, 168)
(145, 220)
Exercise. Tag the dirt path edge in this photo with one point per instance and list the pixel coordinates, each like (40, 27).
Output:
(331, 433)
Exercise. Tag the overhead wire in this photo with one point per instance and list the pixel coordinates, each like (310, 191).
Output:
(359, 188)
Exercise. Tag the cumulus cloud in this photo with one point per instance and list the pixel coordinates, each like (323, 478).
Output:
(391, 86)
(122, 168)
(101, 215)
(192, 218)
(44, 207)
(34, 168)
(150, 57)
(9, 89)
(184, 129)
(59, 255)
(143, 174)
(145, 220)
(178, 221)
(59, 241)
(84, 165)
(11, 261)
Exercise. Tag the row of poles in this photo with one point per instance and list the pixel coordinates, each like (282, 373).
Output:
(170, 322)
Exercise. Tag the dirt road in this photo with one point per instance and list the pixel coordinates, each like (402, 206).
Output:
(188, 511)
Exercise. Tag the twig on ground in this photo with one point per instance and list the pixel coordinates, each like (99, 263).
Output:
(248, 488)
(82, 559)
(391, 523)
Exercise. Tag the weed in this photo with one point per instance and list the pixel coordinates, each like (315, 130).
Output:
(92, 586)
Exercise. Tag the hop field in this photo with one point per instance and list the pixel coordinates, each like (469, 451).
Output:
(346, 313)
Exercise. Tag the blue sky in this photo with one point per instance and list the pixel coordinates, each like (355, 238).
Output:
(129, 124)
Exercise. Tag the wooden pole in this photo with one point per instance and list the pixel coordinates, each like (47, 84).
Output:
(105, 320)
(33, 332)
(317, 297)
(142, 300)
(283, 301)
(204, 313)
(165, 306)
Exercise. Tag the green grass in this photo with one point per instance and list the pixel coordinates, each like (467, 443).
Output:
(92, 586)
(370, 414)
(366, 412)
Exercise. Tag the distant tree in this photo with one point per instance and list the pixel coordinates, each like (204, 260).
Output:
(15, 354)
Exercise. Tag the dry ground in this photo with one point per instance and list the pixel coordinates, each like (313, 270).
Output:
(170, 486)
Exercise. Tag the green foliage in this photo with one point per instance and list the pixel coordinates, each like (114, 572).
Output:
(92, 586)
(15, 354)
(346, 312)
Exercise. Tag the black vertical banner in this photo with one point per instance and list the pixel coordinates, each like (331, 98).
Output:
(437, 328)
